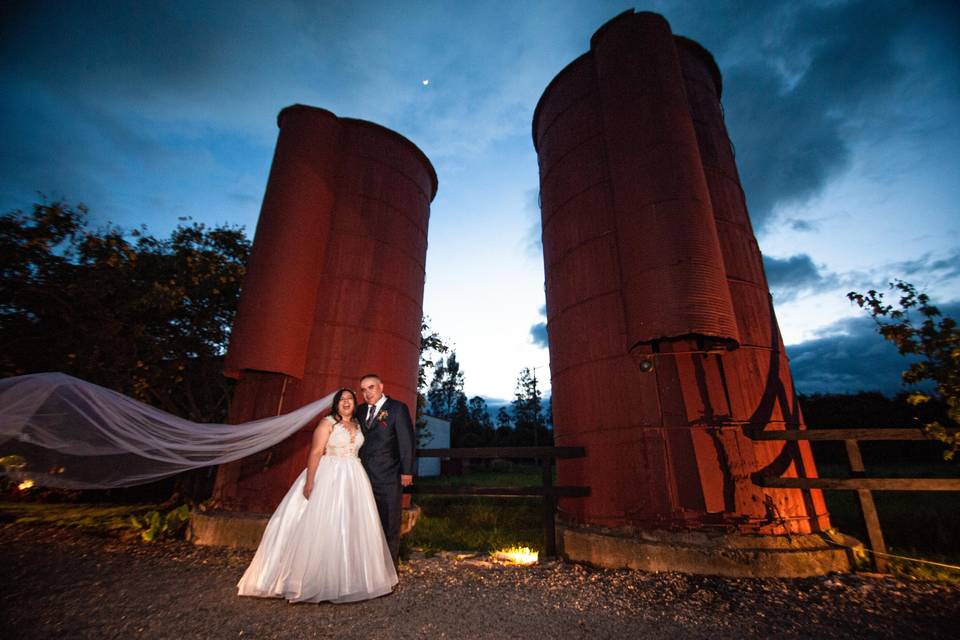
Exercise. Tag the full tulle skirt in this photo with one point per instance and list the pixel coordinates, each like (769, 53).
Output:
(328, 548)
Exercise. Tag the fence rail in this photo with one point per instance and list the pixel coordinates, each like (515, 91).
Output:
(842, 434)
(503, 452)
(860, 482)
(857, 484)
(547, 490)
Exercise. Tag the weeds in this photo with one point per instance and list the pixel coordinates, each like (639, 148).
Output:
(149, 522)
(154, 524)
(94, 517)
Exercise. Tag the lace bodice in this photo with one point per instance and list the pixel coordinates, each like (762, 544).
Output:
(339, 444)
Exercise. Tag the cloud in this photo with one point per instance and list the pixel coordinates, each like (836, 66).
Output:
(145, 110)
(494, 404)
(790, 150)
(852, 358)
(802, 225)
(935, 274)
(789, 277)
(534, 235)
(539, 334)
(798, 78)
(821, 79)
(161, 62)
(849, 356)
(94, 94)
(929, 266)
(798, 275)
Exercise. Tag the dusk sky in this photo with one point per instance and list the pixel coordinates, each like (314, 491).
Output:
(845, 117)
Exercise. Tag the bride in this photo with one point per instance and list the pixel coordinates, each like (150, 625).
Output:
(325, 541)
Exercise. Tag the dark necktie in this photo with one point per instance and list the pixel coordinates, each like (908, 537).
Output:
(369, 414)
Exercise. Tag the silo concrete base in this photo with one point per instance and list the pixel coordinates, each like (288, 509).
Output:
(243, 530)
(227, 529)
(723, 554)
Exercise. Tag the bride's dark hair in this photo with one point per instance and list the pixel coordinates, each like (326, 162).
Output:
(336, 404)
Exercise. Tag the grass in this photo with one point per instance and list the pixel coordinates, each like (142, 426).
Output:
(924, 525)
(925, 521)
(93, 517)
(498, 475)
(924, 571)
(915, 524)
(476, 523)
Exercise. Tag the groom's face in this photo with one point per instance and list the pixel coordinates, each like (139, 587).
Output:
(372, 390)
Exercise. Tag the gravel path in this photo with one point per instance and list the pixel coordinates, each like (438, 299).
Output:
(59, 583)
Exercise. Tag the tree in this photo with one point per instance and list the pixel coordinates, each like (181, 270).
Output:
(529, 421)
(460, 424)
(504, 434)
(504, 419)
(446, 388)
(479, 414)
(479, 430)
(432, 348)
(471, 424)
(144, 316)
(934, 341)
(869, 409)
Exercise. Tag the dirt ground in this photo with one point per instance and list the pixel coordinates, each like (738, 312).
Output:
(59, 583)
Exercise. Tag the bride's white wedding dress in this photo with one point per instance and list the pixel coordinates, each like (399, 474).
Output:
(330, 547)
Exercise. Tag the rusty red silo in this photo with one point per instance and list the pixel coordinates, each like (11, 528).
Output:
(334, 288)
(664, 350)
(767, 400)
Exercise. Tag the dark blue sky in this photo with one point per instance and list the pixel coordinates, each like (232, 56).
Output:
(843, 116)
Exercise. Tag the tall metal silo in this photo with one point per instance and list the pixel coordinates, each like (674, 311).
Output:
(334, 289)
(663, 345)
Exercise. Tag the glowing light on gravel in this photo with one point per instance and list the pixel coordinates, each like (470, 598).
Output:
(26, 484)
(517, 555)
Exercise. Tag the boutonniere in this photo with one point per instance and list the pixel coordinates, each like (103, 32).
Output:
(382, 417)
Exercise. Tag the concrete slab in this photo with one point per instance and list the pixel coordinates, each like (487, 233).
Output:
(722, 554)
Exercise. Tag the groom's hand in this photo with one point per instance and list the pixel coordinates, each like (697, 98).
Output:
(406, 480)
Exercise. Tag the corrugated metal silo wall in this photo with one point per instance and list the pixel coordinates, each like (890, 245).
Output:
(760, 385)
(642, 311)
(335, 286)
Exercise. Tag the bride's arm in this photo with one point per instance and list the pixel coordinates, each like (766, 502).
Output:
(320, 436)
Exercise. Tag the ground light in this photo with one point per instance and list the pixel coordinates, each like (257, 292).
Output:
(517, 555)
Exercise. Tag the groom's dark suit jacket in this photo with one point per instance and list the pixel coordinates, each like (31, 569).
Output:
(388, 443)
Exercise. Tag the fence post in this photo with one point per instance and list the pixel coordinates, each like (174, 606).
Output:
(869, 509)
(549, 510)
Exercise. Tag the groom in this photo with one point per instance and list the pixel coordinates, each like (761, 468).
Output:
(387, 454)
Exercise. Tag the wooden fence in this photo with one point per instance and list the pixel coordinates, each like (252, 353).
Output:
(549, 492)
(861, 483)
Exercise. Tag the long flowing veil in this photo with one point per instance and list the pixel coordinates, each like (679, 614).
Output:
(60, 431)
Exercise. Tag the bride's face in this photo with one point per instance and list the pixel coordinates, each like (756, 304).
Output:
(346, 405)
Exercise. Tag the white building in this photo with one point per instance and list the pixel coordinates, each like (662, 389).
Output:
(438, 438)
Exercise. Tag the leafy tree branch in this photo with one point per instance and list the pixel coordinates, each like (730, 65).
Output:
(934, 339)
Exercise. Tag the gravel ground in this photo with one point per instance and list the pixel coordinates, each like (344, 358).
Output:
(59, 583)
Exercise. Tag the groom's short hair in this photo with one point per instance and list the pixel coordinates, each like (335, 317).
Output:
(372, 375)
